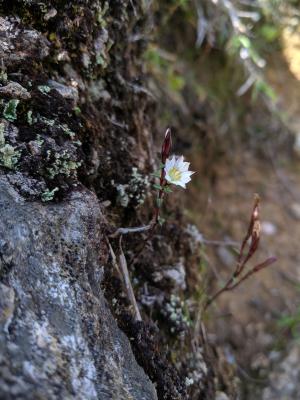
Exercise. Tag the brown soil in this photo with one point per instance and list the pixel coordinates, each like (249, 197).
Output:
(245, 322)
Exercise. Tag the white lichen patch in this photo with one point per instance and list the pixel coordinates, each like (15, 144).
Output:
(135, 190)
(198, 367)
(83, 374)
(41, 335)
(176, 311)
(9, 155)
(48, 194)
(62, 164)
(10, 110)
(196, 237)
(44, 89)
(174, 275)
(59, 290)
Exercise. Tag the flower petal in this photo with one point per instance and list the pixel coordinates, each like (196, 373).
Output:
(168, 178)
(170, 162)
(180, 183)
(185, 180)
(187, 174)
(180, 160)
(185, 166)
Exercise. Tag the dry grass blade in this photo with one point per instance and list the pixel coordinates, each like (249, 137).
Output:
(127, 282)
(123, 272)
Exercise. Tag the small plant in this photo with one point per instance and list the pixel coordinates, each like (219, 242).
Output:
(291, 323)
(239, 275)
(173, 171)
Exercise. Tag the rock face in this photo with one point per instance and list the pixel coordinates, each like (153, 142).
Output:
(58, 339)
(76, 118)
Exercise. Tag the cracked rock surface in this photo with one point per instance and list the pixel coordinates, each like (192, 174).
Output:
(58, 339)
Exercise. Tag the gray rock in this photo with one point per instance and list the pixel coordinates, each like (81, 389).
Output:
(15, 91)
(18, 45)
(221, 396)
(58, 339)
(174, 275)
(68, 92)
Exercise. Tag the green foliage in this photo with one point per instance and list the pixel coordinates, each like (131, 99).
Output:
(262, 86)
(239, 42)
(164, 68)
(269, 33)
(184, 4)
(176, 82)
(77, 110)
(292, 323)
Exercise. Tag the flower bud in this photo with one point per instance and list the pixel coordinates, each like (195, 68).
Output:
(166, 147)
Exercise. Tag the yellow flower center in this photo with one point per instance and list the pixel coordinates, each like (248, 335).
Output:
(175, 174)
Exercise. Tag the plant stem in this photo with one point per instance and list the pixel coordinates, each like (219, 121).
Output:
(155, 218)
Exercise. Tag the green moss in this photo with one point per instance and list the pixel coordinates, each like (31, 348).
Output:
(164, 68)
(77, 110)
(10, 110)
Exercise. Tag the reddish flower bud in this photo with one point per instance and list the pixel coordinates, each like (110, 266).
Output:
(265, 264)
(166, 147)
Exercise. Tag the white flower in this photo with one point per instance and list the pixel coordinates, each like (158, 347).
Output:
(176, 171)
